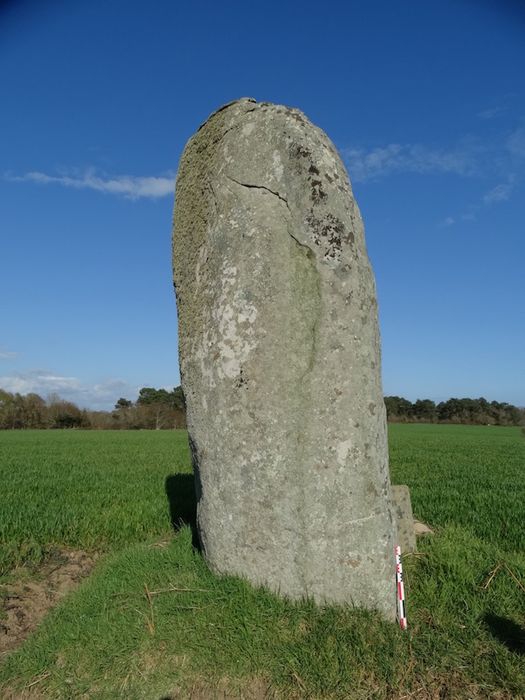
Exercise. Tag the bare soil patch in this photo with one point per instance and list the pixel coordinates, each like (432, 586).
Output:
(251, 689)
(25, 600)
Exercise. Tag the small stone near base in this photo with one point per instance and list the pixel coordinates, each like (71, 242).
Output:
(405, 521)
(422, 529)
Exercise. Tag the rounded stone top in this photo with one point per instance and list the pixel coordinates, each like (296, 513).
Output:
(225, 106)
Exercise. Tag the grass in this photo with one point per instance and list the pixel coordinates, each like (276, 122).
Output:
(153, 620)
(469, 476)
(84, 489)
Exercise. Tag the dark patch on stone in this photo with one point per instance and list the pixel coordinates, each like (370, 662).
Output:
(298, 151)
(344, 271)
(312, 169)
(372, 408)
(298, 117)
(329, 233)
(318, 194)
(295, 114)
(241, 380)
(371, 489)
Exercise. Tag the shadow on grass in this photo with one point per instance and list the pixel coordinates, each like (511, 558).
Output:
(507, 632)
(180, 492)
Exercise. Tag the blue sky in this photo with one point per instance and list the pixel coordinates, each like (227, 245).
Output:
(425, 101)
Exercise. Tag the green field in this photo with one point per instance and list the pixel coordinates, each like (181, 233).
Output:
(120, 492)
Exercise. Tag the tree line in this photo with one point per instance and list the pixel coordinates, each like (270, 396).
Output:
(465, 411)
(160, 409)
(154, 409)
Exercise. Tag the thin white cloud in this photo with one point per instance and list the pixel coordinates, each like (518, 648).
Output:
(516, 142)
(38, 381)
(101, 395)
(128, 186)
(500, 193)
(416, 158)
(492, 112)
(7, 355)
(501, 157)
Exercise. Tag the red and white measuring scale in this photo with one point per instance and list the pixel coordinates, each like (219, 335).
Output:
(401, 611)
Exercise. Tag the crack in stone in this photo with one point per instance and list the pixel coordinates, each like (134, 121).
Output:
(259, 187)
(279, 196)
(231, 128)
(230, 104)
(235, 126)
(309, 252)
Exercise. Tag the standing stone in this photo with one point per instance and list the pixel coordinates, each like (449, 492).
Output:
(280, 360)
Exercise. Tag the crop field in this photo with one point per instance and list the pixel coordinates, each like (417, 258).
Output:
(85, 489)
(152, 622)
